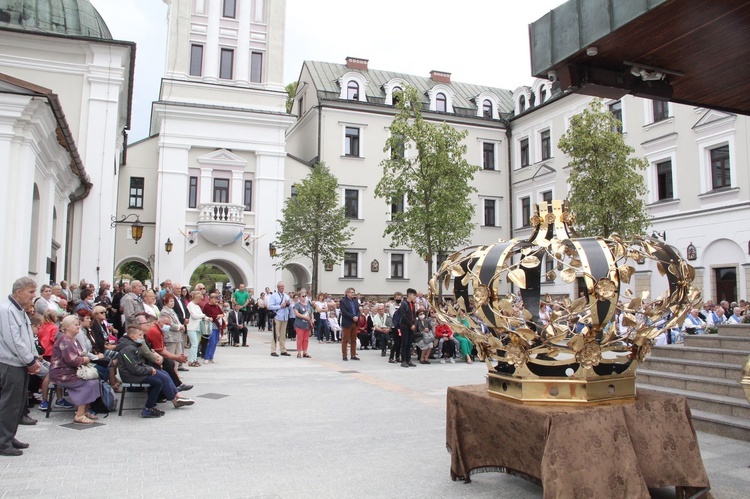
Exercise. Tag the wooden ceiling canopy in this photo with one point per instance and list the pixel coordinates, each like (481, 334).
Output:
(694, 52)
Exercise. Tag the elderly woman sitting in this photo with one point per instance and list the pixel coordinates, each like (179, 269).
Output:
(67, 356)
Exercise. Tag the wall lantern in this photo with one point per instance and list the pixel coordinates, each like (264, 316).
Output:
(136, 228)
(272, 250)
(168, 246)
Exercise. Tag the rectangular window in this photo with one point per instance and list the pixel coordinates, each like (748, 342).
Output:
(193, 192)
(616, 109)
(256, 67)
(397, 209)
(196, 60)
(230, 8)
(248, 195)
(488, 155)
(351, 203)
(351, 146)
(546, 145)
(661, 110)
(136, 193)
(397, 266)
(221, 190)
(664, 180)
(525, 212)
(301, 107)
(350, 264)
(490, 206)
(524, 152)
(398, 150)
(720, 173)
(226, 67)
(547, 196)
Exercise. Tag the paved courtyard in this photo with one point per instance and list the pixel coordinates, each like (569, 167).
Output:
(289, 428)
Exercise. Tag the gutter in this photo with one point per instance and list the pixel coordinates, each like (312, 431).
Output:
(509, 136)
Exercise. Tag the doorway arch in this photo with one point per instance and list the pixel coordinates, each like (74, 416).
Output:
(234, 267)
(300, 276)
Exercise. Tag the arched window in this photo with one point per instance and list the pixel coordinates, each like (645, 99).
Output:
(441, 103)
(352, 90)
(521, 104)
(396, 95)
(487, 108)
(542, 95)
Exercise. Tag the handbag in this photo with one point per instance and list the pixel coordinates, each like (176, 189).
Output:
(205, 328)
(87, 371)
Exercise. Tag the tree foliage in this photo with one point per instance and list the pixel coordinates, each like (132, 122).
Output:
(291, 89)
(135, 270)
(427, 165)
(208, 275)
(606, 188)
(313, 223)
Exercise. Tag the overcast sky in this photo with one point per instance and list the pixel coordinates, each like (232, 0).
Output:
(478, 41)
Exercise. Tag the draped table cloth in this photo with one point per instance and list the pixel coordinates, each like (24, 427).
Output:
(614, 449)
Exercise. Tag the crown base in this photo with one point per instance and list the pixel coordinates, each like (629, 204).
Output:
(562, 390)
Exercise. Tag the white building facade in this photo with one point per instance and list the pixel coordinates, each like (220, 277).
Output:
(210, 178)
(698, 180)
(344, 112)
(64, 107)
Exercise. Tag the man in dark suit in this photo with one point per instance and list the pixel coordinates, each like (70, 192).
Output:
(406, 326)
(236, 325)
(349, 319)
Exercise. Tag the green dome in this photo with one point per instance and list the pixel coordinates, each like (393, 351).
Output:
(62, 17)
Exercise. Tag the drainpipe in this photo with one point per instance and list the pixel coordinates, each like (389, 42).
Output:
(509, 136)
(320, 121)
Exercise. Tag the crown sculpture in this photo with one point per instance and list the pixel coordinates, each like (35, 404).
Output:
(580, 355)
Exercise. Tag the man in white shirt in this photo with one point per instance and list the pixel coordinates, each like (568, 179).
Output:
(381, 326)
(693, 324)
(735, 318)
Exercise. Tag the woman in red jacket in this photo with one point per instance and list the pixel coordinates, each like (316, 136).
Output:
(216, 313)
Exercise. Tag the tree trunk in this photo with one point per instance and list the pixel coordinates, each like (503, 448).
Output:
(314, 282)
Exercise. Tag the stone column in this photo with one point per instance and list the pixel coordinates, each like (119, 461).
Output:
(172, 181)
(270, 196)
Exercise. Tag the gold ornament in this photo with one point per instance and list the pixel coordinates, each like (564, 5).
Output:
(526, 358)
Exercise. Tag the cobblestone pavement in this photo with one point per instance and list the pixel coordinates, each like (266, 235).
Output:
(288, 428)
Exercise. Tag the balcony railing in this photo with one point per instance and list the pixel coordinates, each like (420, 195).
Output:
(222, 212)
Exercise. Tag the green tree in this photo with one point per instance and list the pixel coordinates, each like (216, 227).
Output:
(135, 270)
(208, 275)
(314, 224)
(426, 166)
(291, 89)
(606, 188)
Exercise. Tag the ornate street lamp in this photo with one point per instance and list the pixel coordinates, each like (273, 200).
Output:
(272, 250)
(168, 246)
(136, 228)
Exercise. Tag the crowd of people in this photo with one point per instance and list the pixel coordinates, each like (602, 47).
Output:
(134, 335)
(400, 327)
(76, 339)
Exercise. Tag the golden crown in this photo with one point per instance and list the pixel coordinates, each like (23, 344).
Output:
(584, 350)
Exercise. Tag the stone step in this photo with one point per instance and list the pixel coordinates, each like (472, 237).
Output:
(707, 402)
(717, 341)
(737, 330)
(695, 367)
(717, 386)
(718, 424)
(705, 354)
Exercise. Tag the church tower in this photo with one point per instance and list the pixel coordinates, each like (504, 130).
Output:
(215, 155)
